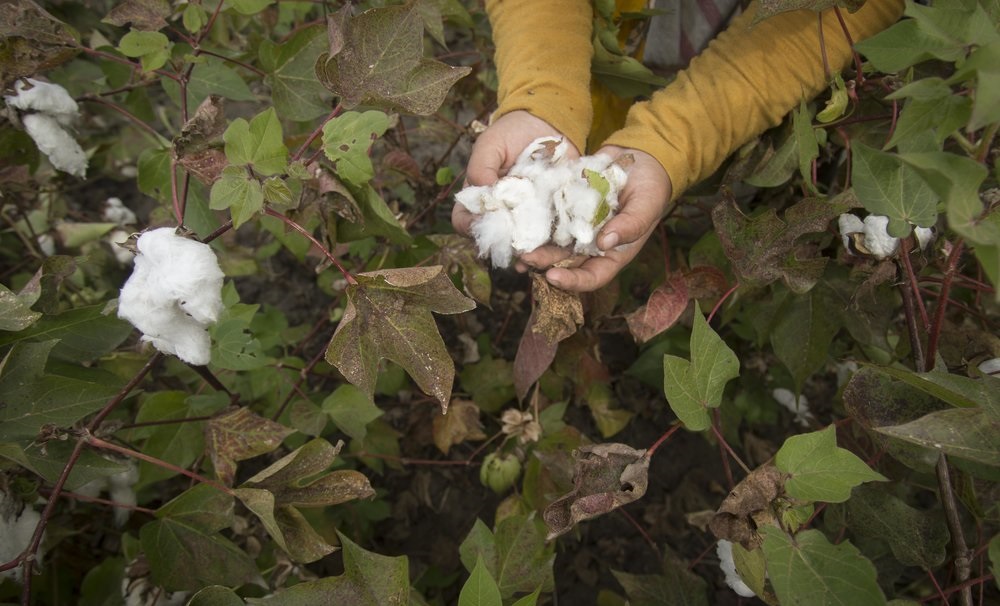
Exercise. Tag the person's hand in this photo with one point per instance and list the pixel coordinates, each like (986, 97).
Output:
(495, 152)
(642, 201)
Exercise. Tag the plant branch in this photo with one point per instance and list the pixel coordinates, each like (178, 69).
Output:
(215, 234)
(983, 150)
(942, 304)
(659, 442)
(963, 563)
(850, 43)
(716, 424)
(317, 132)
(121, 110)
(213, 381)
(326, 252)
(245, 66)
(88, 499)
(174, 194)
(96, 442)
(722, 300)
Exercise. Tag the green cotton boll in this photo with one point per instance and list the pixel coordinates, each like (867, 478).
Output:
(837, 104)
(499, 471)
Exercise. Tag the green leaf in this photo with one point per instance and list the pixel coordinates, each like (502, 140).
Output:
(202, 506)
(183, 557)
(675, 586)
(215, 595)
(84, 334)
(33, 398)
(692, 387)
(49, 459)
(968, 433)
(235, 348)
(905, 44)
(250, 7)
(382, 64)
(769, 8)
(623, 75)
(291, 75)
(942, 116)
(516, 555)
(803, 332)
(278, 193)
(529, 600)
(238, 435)
(177, 443)
(808, 569)
(777, 165)
(15, 310)
(917, 538)
(820, 470)
(258, 143)
(351, 410)
(959, 391)
(388, 316)
(212, 77)
(805, 142)
(885, 185)
(346, 141)
(489, 381)
(480, 589)
(836, 105)
(764, 248)
(239, 192)
(377, 219)
(152, 47)
(369, 579)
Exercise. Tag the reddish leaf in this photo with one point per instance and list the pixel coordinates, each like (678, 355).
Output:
(705, 282)
(664, 307)
(238, 435)
(534, 355)
(388, 316)
(206, 165)
(606, 476)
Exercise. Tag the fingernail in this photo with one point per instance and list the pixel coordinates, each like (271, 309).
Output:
(610, 241)
(554, 281)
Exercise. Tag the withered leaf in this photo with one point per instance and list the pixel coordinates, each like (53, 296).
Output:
(31, 41)
(145, 15)
(558, 312)
(206, 165)
(336, 29)
(207, 124)
(388, 316)
(380, 62)
(459, 252)
(239, 435)
(606, 476)
(335, 194)
(664, 307)
(535, 354)
(766, 248)
(748, 505)
(459, 424)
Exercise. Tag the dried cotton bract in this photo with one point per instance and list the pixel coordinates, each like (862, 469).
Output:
(52, 111)
(174, 294)
(545, 197)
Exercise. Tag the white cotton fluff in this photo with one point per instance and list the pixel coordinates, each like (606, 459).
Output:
(877, 239)
(990, 367)
(52, 111)
(114, 239)
(142, 592)
(798, 407)
(56, 143)
(16, 529)
(173, 294)
(119, 489)
(115, 211)
(45, 98)
(545, 197)
(724, 549)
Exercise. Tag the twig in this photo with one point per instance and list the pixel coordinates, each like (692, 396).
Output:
(215, 234)
(144, 126)
(213, 381)
(666, 436)
(323, 249)
(88, 499)
(317, 132)
(850, 42)
(942, 304)
(963, 563)
(716, 424)
(96, 442)
(722, 300)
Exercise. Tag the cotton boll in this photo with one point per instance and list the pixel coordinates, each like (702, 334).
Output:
(56, 143)
(799, 407)
(724, 549)
(925, 235)
(121, 491)
(47, 244)
(990, 367)
(173, 294)
(532, 226)
(472, 197)
(16, 529)
(493, 232)
(47, 98)
(849, 224)
(115, 211)
(877, 239)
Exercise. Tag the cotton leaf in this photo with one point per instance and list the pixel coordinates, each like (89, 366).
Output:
(238, 435)
(381, 63)
(296, 93)
(145, 15)
(819, 469)
(389, 316)
(664, 306)
(535, 353)
(258, 143)
(885, 185)
(347, 139)
(459, 424)
(605, 477)
(746, 505)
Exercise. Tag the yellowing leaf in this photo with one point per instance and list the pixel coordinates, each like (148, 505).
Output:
(389, 316)
(459, 424)
(238, 435)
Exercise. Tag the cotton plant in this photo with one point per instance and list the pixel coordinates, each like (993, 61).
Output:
(871, 235)
(48, 112)
(174, 294)
(546, 197)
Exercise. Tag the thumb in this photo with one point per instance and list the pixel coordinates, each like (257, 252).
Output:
(639, 213)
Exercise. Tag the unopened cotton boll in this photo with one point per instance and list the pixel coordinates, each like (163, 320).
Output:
(924, 235)
(849, 224)
(56, 143)
(174, 294)
(724, 549)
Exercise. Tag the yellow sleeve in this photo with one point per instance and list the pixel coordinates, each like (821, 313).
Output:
(745, 82)
(543, 55)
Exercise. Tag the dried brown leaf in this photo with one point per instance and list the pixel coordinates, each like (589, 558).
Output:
(559, 312)
(459, 424)
(661, 311)
(206, 165)
(31, 41)
(145, 15)
(748, 505)
(606, 476)
(239, 435)
(207, 125)
(335, 194)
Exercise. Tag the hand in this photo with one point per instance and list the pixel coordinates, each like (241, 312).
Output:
(495, 152)
(642, 201)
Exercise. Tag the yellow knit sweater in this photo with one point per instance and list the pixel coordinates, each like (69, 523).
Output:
(742, 84)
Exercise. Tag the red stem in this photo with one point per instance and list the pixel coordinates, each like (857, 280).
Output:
(174, 197)
(317, 132)
(666, 436)
(850, 41)
(99, 443)
(347, 275)
(121, 110)
(721, 301)
(942, 304)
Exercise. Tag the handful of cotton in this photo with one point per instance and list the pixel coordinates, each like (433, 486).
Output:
(545, 197)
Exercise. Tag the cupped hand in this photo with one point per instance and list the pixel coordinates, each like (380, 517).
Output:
(643, 201)
(495, 152)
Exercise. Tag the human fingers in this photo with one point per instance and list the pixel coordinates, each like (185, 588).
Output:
(487, 160)
(591, 275)
(545, 256)
(461, 219)
(643, 201)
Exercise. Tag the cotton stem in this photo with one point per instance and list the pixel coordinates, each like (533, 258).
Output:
(326, 252)
(317, 132)
(105, 445)
(942, 304)
(963, 562)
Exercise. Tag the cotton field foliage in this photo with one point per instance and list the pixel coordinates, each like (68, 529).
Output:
(546, 197)
(174, 294)
(48, 112)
